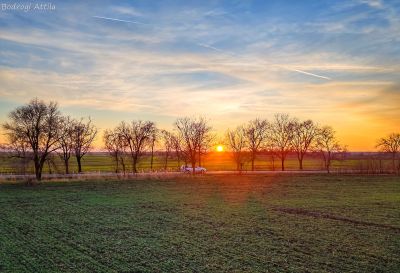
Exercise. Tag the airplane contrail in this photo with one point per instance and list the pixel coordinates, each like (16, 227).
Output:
(277, 65)
(223, 51)
(118, 20)
(308, 73)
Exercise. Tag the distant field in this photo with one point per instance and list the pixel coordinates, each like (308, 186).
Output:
(278, 223)
(102, 162)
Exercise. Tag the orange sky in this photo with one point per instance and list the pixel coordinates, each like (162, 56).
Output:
(336, 63)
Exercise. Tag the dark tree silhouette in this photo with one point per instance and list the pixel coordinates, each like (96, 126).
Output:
(137, 137)
(195, 133)
(304, 134)
(256, 136)
(390, 144)
(36, 126)
(115, 146)
(83, 135)
(328, 145)
(66, 141)
(237, 142)
(167, 140)
(281, 136)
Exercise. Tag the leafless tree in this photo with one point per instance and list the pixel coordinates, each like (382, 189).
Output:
(153, 141)
(390, 144)
(17, 150)
(167, 139)
(35, 125)
(115, 146)
(238, 143)
(83, 135)
(194, 133)
(281, 135)
(327, 145)
(137, 137)
(66, 141)
(177, 146)
(304, 133)
(256, 136)
(205, 137)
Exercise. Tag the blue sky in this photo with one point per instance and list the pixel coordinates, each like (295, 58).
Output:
(336, 62)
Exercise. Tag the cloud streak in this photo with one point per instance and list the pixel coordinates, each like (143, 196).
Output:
(326, 65)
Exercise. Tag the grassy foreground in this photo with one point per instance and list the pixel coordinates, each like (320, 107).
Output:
(204, 224)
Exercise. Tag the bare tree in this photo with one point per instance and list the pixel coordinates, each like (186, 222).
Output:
(237, 143)
(256, 135)
(193, 133)
(153, 142)
(304, 133)
(137, 137)
(35, 125)
(18, 151)
(390, 144)
(177, 145)
(205, 137)
(281, 136)
(115, 146)
(66, 141)
(83, 135)
(328, 145)
(167, 138)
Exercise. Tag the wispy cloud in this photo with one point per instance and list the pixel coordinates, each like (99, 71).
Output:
(264, 63)
(231, 62)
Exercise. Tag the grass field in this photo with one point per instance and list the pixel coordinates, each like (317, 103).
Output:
(102, 162)
(311, 223)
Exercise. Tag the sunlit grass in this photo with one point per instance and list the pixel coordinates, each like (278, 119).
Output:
(216, 161)
(203, 224)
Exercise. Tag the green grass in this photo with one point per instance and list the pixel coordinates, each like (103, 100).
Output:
(102, 162)
(225, 223)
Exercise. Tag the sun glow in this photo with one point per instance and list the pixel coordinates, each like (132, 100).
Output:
(220, 148)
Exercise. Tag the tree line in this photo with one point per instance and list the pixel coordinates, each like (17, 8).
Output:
(190, 139)
(38, 129)
(280, 137)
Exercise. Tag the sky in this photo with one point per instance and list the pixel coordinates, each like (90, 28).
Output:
(336, 62)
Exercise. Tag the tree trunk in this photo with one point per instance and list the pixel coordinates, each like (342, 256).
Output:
(166, 161)
(300, 162)
(78, 160)
(152, 156)
(123, 166)
(199, 157)
(66, 166)
(134, 164)
(283, 163)
(252, 161)
(328, 162)
(38, 174)
(116, 163)
(194, 163)
(39, 171)
(38, 168)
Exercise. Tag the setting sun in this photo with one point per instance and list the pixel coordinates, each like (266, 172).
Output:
(220, 148)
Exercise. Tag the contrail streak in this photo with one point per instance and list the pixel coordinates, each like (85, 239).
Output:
(263, 63)
(118, 20)
(223, 51)
(308, 73)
